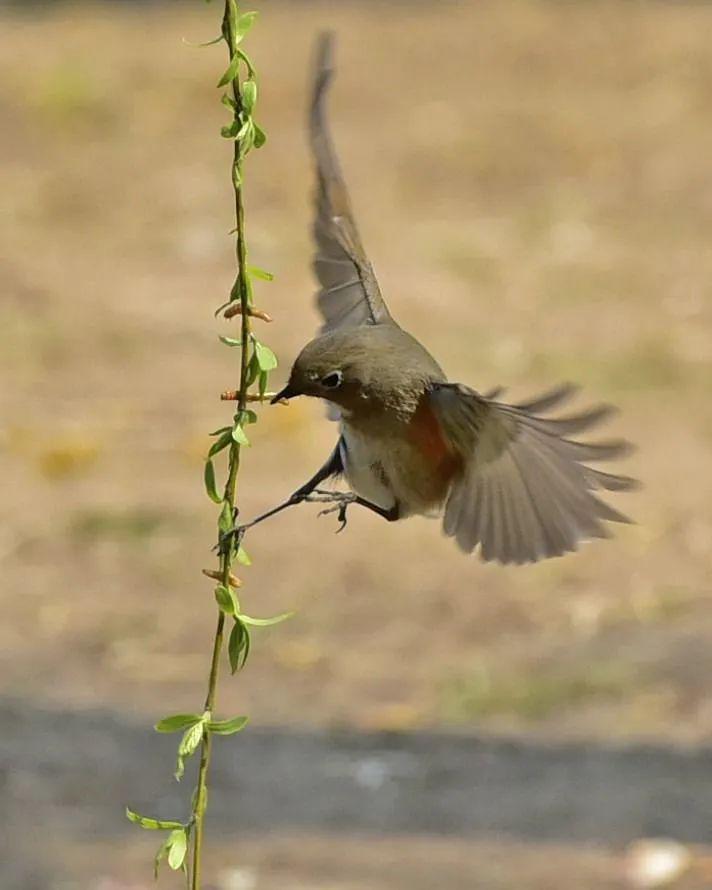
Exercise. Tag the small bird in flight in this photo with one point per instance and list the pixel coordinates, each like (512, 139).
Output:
(506, 478)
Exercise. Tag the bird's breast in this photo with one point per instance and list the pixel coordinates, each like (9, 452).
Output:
(410, 464)
(363, 457)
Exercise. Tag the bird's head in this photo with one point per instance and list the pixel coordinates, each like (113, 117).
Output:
(334, 366)
(364, 369)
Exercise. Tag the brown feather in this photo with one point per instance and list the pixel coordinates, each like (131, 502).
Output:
(525, 492)
(349, 294)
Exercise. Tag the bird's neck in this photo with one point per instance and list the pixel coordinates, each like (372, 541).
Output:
(390, 408)
(382, 412)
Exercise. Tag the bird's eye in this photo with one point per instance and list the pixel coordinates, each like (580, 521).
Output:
(332, 380)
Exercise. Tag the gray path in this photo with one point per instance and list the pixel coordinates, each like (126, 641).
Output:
(81, 767)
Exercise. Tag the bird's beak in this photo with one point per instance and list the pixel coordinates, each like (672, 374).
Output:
(287, 393)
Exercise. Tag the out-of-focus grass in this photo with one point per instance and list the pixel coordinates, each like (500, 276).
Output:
(57, 455)
(70, 457)
(132, 525)
(533, 694)
(68, 97)
(532, 181)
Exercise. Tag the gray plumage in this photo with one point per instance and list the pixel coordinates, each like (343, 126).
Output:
(349, 294)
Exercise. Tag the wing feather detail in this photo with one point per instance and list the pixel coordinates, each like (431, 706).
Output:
(348, 294)
(526, 492)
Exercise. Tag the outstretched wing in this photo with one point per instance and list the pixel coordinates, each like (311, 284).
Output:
(526, 492)
(349, 294)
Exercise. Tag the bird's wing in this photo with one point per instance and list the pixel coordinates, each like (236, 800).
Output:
(348, 291)
(525, 492)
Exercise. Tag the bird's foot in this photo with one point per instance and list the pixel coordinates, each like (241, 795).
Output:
(340, 501)
(232, 538)
(341, 509)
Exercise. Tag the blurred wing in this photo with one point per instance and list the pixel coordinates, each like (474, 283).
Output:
(525, 493)
(349, 294)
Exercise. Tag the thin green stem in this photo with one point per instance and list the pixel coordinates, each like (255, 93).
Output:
(200, 804)
(256, 361)
(226, 557)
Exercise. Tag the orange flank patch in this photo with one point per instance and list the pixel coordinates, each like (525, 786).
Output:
(427, 434)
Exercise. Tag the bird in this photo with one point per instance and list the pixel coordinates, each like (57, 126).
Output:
(507, 479)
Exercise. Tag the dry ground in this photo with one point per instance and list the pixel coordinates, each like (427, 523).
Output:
(360, 863)
(533, 181)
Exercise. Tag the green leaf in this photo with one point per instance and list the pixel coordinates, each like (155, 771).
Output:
(239, 130)
(253, 370)
(235, 290)
(209, 479)
(228, 101)
(161, 854)
(223, 429)
(264, 622)
(242, 556)
(264, 380)
(244, 23)
(218, 445)
(230, 341)
(246, 134)
(248, 416)
(201, 45)
(238, 434)
(260, 136)
(230, 131)
(262, 274)
(177, 722)
(231, 71)
(246, 139)
(228, 727)
(151, 824)
(238, 647)
(249, 95)
(225, 522)
(188, 745)
(226, 599)
(177, 848)
(248, 61)
(191, 739)
(266, 359)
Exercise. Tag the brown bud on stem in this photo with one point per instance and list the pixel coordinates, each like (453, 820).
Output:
(235, 308)
(217, 576)
(233, 395)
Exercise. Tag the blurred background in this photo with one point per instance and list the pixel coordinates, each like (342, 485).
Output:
(532, 182)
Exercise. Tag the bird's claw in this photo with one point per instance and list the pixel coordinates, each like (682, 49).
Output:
(342, 518)
(340, 502)
(341, 508)
(232, 538)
